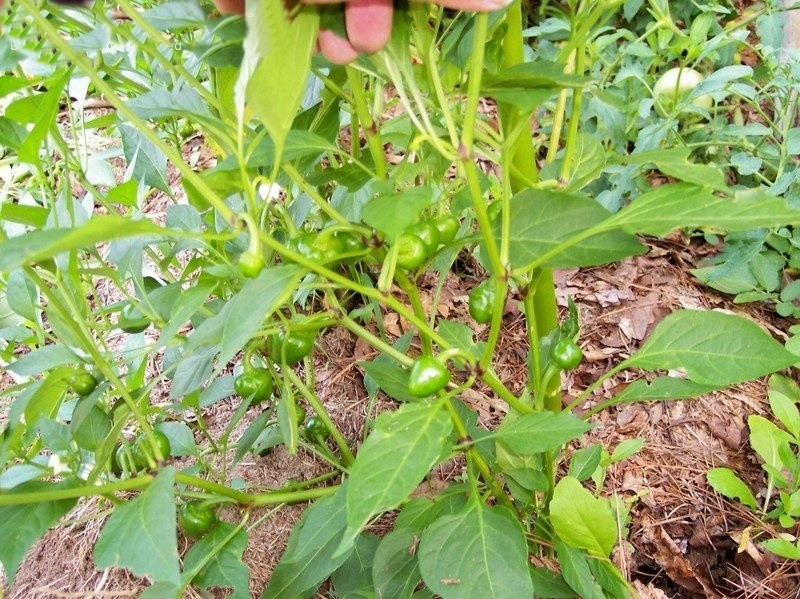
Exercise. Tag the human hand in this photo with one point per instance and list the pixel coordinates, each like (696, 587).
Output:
(368, 23)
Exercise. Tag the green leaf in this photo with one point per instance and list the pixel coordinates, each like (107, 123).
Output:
(390, 377)
(626, 449)
(162, 102)
(662, 388)
(575, 570)
(585, 461)
(38, 246)
(529, 84)
(549, 585)
(725, 482)
(354, 577)
(246, 311)
(713, 348)
(310, 554)
(225, 567)
(181, 438)
(276, 63)
(669, 207)
(552, 228)
(140, 535)
(674, 162)
(299, 144)
(782, 548)
(148, 164)
(588, 162)
(478, 552)
(44, 117)
(540, 431)
(22, 295)
(769, 442)
(22, 525)
(43, 359)
(394, 568)
(393, 214)
(783, 397)
(173, 15)
(89, 426)
(400, 451)
(582, 520)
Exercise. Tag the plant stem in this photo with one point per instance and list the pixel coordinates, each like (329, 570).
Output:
(75, 492)
(371, 133)
(543, 302)
(316, 404)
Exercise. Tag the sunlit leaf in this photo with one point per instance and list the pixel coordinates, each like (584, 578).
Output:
(478, 552)
(582, 520)
(141, 534)
(713, 348)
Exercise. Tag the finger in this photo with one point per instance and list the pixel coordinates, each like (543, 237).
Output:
(369, 23)
(230, 6)
(336, 49)
(473, 5)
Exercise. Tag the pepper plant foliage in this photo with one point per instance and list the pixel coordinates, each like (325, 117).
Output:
(298, 229)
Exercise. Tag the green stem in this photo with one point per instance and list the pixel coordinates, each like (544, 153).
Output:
(575, 117)
(371, 132)
(316, 404)
(475, 457)
(412, 292)
(493, 382)
(322, 203)
(375, 341)
(60, 494)
(543, 302)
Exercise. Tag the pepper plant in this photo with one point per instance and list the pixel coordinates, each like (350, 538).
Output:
(338, 190)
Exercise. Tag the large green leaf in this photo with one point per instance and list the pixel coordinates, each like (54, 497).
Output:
(661, 388)
(669, 207)
(140, 535)
(394, 567)
(311, 554)
(38, 246)
(392, 214)
(772, 444)
(783, 395)
(478, 552)
(552, 228)
(353, 579)
(576, 572)
(582, 520)
(22, 525)
(276, 63)
(225, 567)
(540, 431)
(675, 163)
(528, 84)
(713, 348)
(246, 311)
(399, 452)
(390, 377)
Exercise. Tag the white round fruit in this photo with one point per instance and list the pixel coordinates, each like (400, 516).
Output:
(678, 82)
